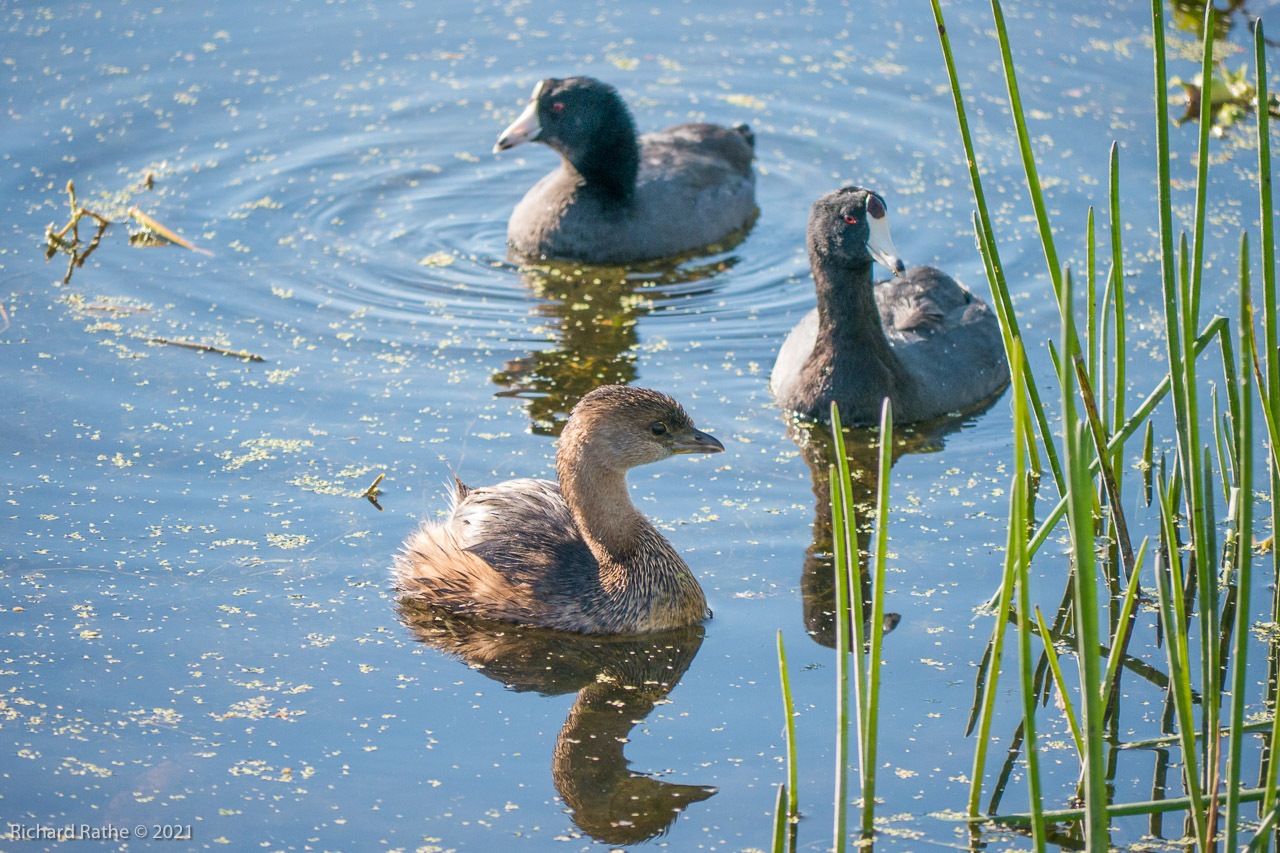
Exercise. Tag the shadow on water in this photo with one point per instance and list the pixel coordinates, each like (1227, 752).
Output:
(817, 448)
(619, 681)
(593, 312)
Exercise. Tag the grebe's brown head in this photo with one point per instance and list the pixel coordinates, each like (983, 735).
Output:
(619, 427)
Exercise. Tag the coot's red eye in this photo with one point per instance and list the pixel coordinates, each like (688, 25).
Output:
(851, 219)
(557, 107)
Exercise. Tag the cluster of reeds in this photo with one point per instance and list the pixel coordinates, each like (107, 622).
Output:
(1202, 575)
(853, 636)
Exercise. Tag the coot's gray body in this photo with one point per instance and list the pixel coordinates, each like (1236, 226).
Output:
(616, 197)
(921, 339)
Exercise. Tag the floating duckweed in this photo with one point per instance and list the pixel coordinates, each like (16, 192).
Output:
(287, 540)
(437, 259)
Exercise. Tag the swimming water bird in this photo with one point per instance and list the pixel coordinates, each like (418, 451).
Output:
(920, 339)
(574, 555)
(616, 197)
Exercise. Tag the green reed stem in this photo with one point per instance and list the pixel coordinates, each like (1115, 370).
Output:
(1125, 627)
(1172, 610)
(986, 243)
(780, 820)
(1018, 569)
(1008, 333)
(1104, 352)
(839, 531)
(1091, 300)
(1085, 592)
(1028, 158)
(1055, 668)
(788, 708)
(1103, 459)
(1270, 389)
(849, 629)
(1260, 840)
(1117, 292)
(871, 703)
(1202, 166)
(1243, 555)
(1218, 326)
(995, 654)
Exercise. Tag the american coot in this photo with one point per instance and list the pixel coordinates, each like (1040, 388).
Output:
(616, 198)
(921, 339)
(577, 555)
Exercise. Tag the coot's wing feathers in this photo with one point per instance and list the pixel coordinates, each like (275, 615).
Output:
(703, 144)
(924, 301)
(946, 337)
(688, 194)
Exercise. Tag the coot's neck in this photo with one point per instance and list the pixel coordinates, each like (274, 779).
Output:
(610, 164)
(849, 329)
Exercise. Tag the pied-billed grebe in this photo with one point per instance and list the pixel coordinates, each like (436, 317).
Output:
(922, 339)
(575, 555)
(616, 198)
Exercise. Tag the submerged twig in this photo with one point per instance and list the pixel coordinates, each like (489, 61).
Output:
(67, 238)
(248, 356)
(56, 241)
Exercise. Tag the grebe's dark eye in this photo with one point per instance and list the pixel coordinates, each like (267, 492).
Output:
(557, 107)
(851, 219)
(658, 428)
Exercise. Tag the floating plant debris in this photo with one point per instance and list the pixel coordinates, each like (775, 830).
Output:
(67, 238)
(248, 356)
(1232, 96)
(371, 493)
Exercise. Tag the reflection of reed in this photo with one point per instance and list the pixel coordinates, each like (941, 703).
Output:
(817, 582)
(593, 312)
(618, 680)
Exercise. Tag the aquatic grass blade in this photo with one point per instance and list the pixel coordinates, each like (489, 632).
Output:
(1079, 496)
(1124, 621)
(1118, 302)
(780, 820)
(1055, 668)
(1269, 389)
(995, 272)
(1218, 326)
(1169, 588)
(1242, 557)
(871, 700)
(788, 707)
(839, 542)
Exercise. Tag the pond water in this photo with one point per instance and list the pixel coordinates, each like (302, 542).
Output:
(198, 630)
